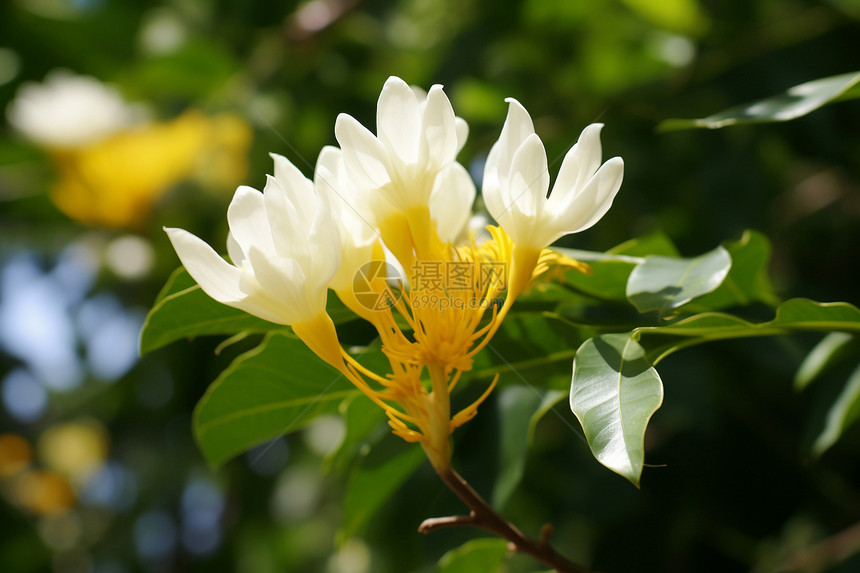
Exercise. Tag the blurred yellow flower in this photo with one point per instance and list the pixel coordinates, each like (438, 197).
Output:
(116, 181)
(15, 454)
(43, 492)
(74, 449)
(113, 164)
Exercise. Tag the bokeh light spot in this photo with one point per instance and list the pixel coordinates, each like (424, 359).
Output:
(23, 397)
(15, 454)
(155, 535)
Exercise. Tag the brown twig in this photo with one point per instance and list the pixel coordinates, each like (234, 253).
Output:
(485, 517)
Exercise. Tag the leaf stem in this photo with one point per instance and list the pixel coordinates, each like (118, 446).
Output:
(485, 517)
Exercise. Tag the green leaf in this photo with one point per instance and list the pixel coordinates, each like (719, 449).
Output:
(362, 417)
(844, 411)
(531, 348)
(796, 102)
(614, 392)
(183, 310)
(276, 388)
(550, 399)
(611, 270)
(517, 404)
(486, 554)
(653, 244)
(371, 486)
(794, 315)
(747, 281)
(828, 351)
(664, 283)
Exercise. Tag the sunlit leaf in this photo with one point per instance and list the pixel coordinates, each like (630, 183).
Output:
(844, 411)
(796, 102)
(747, 281)
(486, 554)
(828, 351)
(664, 283)
(794, 315)
(272, 390)
(614, 392)
(652, 244)
(371, 485)
(611, 270)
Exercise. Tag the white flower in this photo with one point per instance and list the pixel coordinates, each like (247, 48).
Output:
(357, 234)
(451, 202)
(284, 246)
(516, 181)
(417, 139)
(68, 110)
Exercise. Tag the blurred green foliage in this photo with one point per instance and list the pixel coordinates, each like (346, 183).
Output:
(740, 490)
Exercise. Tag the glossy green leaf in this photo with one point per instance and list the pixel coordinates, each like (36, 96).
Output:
(747, 281)
(844, 411)
(652, 244)
(611, 270)
(370, 487)
(664, 283)
(613, 393)
(276, 388)
(484, 555)
(826, 352)
(517, 404)
(183, 310)
(796, 102)
(794, 315)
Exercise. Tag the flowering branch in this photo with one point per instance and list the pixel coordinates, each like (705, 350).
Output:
(485, 517)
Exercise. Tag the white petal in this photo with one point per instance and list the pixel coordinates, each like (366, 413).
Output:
(438, 144)
(286, 222)
(366, 159)
(284, 281)
(222, 281)
(331, 160)
(331, 182)
(462, 132)
(451, 202)
(295, 185)
(589, 151)
(286, 173)
(218, 278)
(518, 126)
(247, 219)
(578, 166)
(398, 119)
(529, 180)
(491, 188)
(495, 185)
(235, 251)
(323, 247)
(594, 200)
